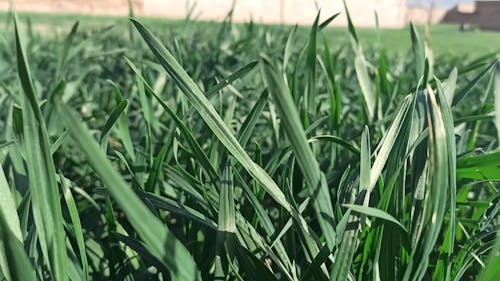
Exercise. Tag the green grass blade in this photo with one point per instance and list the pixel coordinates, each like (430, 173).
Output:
(309, 165)
(418, 52)
(18, 264)
(178, 208)
(365, 164)
(158, 239)
(436, 193)
(334, 139)
(365, 82)
(310, 98)
(10, 220)
(195, 146)
(289, 47)
(67, 44)
(388, 142)
(210, 116)
(326, 22)
(444, 265)
(345, 254)
(231, 78)
(473, 83)
(152, 182)
(122, 124)
(480, 167)
(374, 212)
(77, 226)
(248, 125)
(492, 269)
(41, 173)
(350, 25)
(113, 117)
(361, 67)
(497, 101)
(8, 206)
(226, 224)
(265, 220)
(450, 86)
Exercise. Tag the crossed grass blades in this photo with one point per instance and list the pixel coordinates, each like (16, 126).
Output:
(242, 152)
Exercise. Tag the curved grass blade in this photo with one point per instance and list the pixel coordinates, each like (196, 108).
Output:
(340, 141)
(210, 116)
(178, 208)
(157, 237)
(374, 212)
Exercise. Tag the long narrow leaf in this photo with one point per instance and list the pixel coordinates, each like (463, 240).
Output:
(210, 116)
(307, 162)
(158, 239)
(41, 173)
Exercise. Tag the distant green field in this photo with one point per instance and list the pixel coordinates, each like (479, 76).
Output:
(445, 39)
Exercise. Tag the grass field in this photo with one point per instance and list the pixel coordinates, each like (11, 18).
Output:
(185, 151)
(445, 39)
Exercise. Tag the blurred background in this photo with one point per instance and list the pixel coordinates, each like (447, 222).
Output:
(481, 14)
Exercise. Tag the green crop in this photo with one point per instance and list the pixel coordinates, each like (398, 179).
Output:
(194, 151)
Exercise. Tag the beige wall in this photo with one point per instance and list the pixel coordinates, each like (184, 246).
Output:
(391, 12)
(95, 7)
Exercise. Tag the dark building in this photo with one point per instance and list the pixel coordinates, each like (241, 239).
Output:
(483, 14)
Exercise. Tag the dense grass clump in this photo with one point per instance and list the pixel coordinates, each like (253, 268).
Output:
(245, 152)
